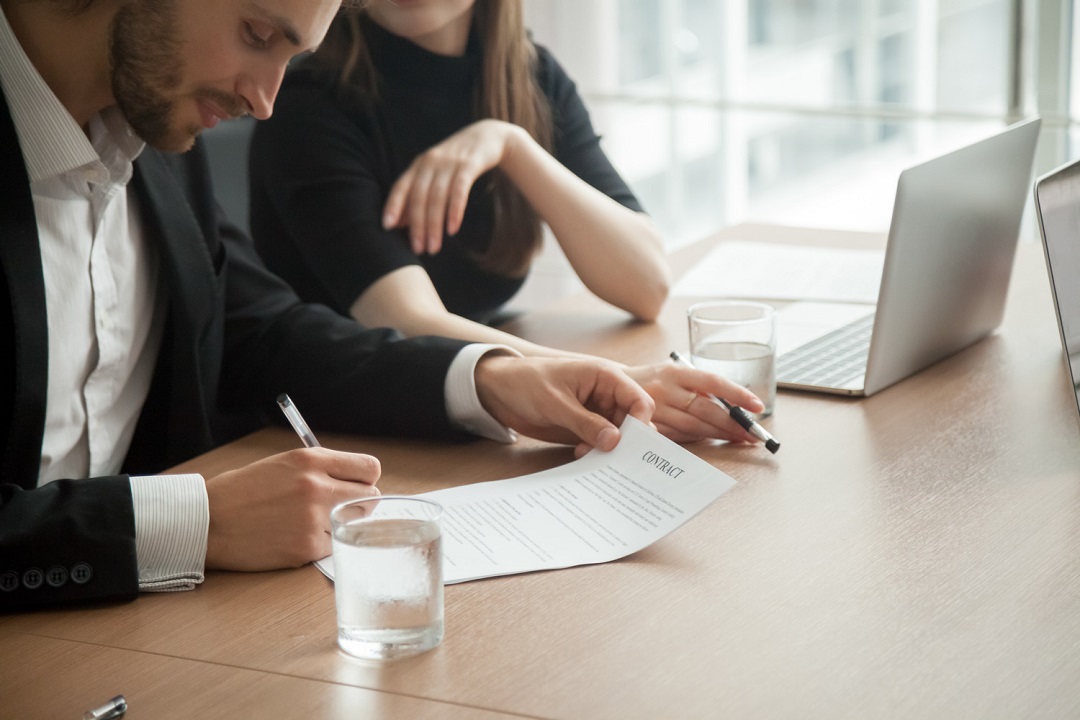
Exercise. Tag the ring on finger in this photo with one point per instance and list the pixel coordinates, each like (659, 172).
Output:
(690, 402)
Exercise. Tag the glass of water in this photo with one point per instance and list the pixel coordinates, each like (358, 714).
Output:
(388, 581)
(736, 339)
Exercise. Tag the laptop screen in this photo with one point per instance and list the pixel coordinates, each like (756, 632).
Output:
(1057, 201)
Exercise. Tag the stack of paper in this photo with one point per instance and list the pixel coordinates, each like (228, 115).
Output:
(745, 269)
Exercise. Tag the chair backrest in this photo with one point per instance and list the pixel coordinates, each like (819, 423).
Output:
(227, 146)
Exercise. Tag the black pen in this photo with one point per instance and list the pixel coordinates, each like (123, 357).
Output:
(301, 427)
(737, 413)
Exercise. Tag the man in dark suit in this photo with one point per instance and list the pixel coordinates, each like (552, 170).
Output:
(138, 320)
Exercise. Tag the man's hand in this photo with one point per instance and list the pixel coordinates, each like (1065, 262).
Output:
(275, 513)
(683, 414)
(561, 400)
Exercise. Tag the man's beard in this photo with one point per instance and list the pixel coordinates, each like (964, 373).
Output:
(147, 69)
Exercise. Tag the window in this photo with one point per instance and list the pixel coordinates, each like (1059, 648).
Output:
(801, 111)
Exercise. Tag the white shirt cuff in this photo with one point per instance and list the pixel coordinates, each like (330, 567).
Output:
(462, 403)
(172, 520)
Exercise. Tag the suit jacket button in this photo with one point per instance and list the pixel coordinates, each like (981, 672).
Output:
(33, 578)
(56, 576)
(9, 581)
(80, 573)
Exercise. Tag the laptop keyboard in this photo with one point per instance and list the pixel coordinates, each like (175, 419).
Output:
(831, 360)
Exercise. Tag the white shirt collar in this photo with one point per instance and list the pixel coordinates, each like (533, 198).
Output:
(52, 142)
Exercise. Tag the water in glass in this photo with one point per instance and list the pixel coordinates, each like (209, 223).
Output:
(752, 365)
(388, 586)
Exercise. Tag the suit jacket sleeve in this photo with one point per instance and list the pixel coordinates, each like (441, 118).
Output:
(347, 378)
(68, 541)
(237, 337)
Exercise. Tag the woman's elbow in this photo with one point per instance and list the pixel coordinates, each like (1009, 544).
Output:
(654, 291)
(649, 297)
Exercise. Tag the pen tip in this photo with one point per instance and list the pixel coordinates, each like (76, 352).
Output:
(772, 446)
(283, 399)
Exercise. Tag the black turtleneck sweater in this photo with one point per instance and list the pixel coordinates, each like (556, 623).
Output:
(322, 167)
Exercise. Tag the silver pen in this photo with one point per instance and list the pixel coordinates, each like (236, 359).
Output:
(737, 413)
(301, 427)
(112, 709)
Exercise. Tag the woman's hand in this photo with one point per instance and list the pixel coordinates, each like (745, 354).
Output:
(431, 195)
(682, 412)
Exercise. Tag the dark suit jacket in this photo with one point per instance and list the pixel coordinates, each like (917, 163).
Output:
(236, 336)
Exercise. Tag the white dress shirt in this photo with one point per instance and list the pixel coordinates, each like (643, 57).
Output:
(106, 313)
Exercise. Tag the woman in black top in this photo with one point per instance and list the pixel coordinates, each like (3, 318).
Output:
(410, 165)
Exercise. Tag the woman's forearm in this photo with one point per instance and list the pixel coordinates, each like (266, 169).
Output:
(455, 326)
(406, 300)
(618, 253)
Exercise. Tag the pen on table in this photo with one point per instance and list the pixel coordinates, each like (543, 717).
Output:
(112, 709)
(737, 413)
(301, 427)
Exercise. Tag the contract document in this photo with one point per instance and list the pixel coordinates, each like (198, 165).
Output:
(746, 269)
(601, 507)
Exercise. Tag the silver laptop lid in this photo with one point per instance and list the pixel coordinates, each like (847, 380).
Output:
(1057, 205)
(950, 253)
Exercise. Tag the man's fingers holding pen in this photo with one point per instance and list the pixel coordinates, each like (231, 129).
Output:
(274, 513)
(355, 467)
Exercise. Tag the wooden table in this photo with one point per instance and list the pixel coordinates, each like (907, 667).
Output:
(913, 554)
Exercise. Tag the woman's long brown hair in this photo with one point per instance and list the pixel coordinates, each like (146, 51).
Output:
(508, 91)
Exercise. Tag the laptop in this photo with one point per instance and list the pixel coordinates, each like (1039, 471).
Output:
(1057, 206)
(948, 258)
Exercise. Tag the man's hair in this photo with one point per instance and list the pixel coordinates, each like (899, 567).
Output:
(74, 7)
